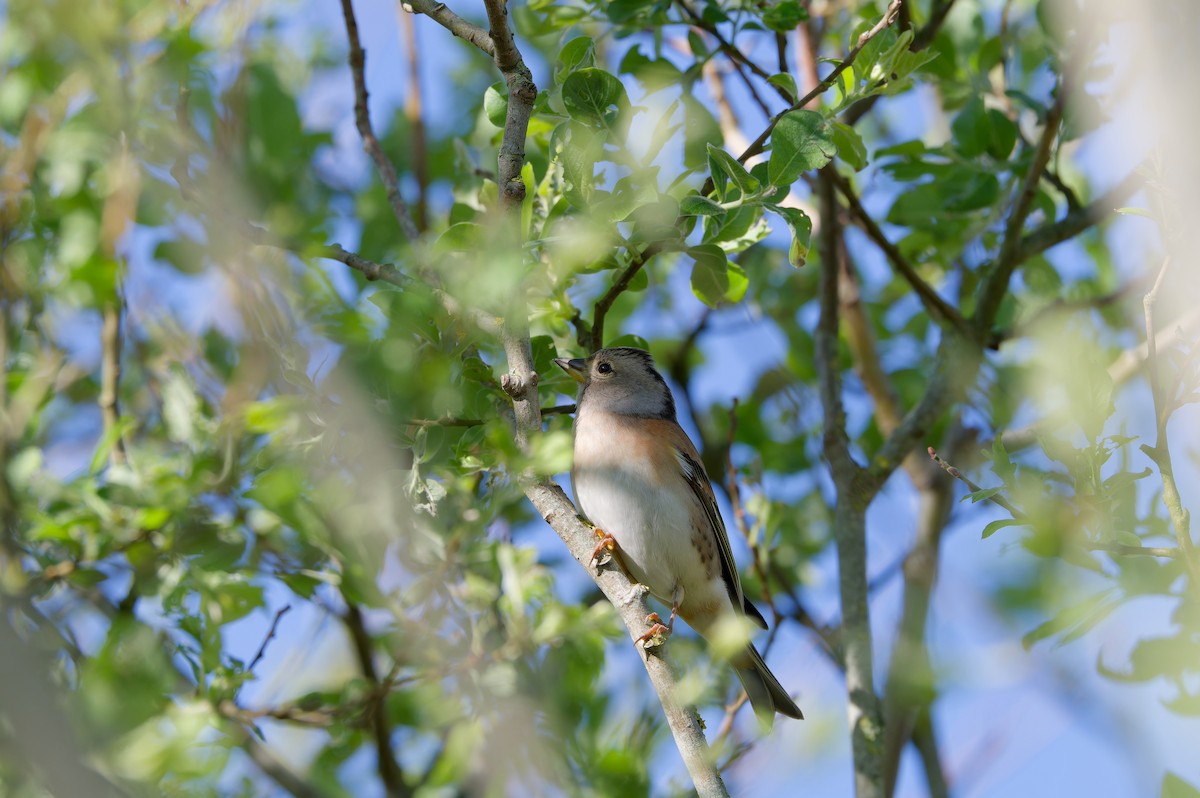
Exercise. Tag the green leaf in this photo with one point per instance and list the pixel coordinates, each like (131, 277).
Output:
(784, 16)
(802, 140)
(461, 237)
(714, 278)
(495, 103)
(850, 145)
(595, 97)
(786, 82)
(1004, 135)
(972, 129)
(696, 205)
(800, 226)
(579, 53)
(996, 526)
(1175, 787)
(108, 442)
(719, 160)
(1135, 212)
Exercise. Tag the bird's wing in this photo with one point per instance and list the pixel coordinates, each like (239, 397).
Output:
(697, 480)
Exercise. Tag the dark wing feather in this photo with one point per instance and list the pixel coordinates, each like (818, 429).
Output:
(697, 480)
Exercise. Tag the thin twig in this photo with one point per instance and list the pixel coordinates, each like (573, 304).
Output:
(995, 498)
(362, 118)
(262, 650)
(594, 338)
(736, 57)
(1160, 453)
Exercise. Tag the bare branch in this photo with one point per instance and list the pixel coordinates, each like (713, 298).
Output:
(866, 722)
(362, 119)
(442, 15)
(521, 94)
(262, 650)
(630, 602)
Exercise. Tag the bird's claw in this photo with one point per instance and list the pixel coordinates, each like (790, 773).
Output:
(657, 634)
(603, 553)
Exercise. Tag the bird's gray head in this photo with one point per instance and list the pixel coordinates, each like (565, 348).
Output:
(621, 380)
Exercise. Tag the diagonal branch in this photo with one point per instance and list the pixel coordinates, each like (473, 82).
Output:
(1160, 453)
(995, 284)
(938, 308)
(593, 338)
(442, 15)
(888, 17)
(921, 39)
(362, 119)
(735, 55)
(1079, 219)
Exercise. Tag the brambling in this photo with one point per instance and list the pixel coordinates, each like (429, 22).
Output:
(639, 481)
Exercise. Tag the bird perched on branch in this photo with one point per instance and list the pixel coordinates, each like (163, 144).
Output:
(639, 480)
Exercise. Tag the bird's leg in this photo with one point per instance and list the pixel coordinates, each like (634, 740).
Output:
(604, 549)
(658, 633)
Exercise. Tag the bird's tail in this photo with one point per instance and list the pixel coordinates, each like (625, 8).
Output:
(767, 695)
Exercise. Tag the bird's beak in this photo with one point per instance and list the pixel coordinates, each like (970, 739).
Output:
(576, 367)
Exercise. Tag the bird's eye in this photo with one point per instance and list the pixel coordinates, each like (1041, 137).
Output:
(604, 368)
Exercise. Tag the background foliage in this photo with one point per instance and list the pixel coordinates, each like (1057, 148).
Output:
(264, 523)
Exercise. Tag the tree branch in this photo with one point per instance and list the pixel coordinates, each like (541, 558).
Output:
(1160, 453)
(938, 308)
(630, 602)
(593, 339)
(381, 727)
(362, 118)
(442, 15)
(995, 283)
(521, 94)
(866, 724)
(921, 39)
(735, 55)
(414, 114)
(1078, 220)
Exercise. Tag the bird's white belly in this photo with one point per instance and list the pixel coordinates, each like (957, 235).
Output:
(652, 527)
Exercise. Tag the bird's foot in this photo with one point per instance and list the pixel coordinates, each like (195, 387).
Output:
(657, 634)
(604, 549)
